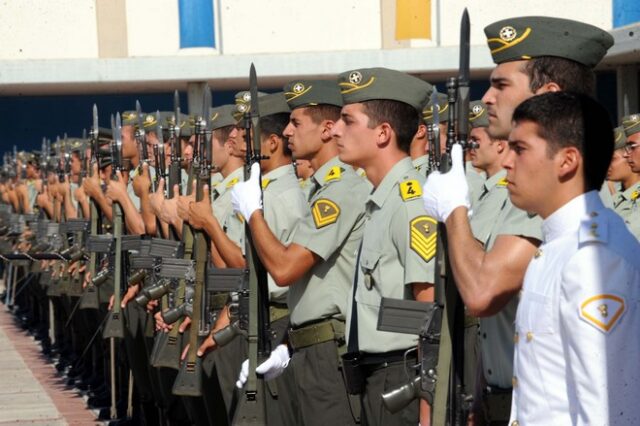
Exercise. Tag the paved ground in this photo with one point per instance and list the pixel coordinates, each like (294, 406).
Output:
(30, 391)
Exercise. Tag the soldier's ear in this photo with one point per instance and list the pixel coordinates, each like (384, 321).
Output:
(551, 86)
(327, 126)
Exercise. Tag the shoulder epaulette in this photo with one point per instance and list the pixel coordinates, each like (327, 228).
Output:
(410, 189)
(334, 173)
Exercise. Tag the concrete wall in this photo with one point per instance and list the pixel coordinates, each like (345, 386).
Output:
(152, 27)
(46, 29)
(258, 26)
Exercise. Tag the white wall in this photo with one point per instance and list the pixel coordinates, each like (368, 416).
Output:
(269, 26)
(48, 29)
(483, 13)
(153, 27)
(57, 29)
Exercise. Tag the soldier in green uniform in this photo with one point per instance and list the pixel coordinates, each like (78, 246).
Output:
(627, 202)
(318, 264)
(381, 114)
(530, 60)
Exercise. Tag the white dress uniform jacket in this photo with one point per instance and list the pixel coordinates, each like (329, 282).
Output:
(577, 351)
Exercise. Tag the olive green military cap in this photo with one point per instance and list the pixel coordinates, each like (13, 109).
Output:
(478, 115)
(530, 37)
(619, 138)
(129, 118)
(222, 116)
(631, 124)
(268, 104)
(370, 84)
(304, 93)
(442, 107)
(76, 145)
(243, 100)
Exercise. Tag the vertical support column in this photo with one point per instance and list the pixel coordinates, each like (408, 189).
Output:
(627, 89)
(111, 16)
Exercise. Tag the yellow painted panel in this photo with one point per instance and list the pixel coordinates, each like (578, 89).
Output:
(413, 19)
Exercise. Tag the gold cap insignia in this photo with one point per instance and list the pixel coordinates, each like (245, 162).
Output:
(355, 77)
(246, 96)
(298, 88)
(508, 33)
(477, 109)
(243, 107)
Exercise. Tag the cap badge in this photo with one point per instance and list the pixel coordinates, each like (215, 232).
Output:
(477, 109)
(508, 33)
(298, 88)
(355, 77)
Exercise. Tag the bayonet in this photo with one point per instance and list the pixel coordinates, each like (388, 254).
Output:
(463, 82)
(141, 134)
(435, 125)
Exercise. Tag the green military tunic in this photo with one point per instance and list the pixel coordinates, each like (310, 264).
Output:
(475, 179)
(398, 248)
(496, 332)
(232, 225)
(132, 195)
(605, 195)
(32, 193)
(421, 164)
(284, 206)
(492, 196)
(627, 205)
(332, 230)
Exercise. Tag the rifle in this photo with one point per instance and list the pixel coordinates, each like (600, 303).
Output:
(189, 379)
(90, 295)
(141, 136)
(440, 324)
(252, 405)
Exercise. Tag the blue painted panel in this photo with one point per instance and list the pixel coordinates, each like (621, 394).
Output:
(625, 12)
(196, 23)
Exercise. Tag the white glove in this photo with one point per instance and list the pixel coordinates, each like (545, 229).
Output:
(246, 197)
(244, 374)
(271, 368)
(444, 192)
(275, 365)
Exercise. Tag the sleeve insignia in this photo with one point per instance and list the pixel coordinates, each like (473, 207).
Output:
(324, 212)
(424, 236)
(334, 173)
(265, 183)
(502, 182)
(410, 189)
(602, 311)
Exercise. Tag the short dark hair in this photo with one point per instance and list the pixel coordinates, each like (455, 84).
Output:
(569, 75)
(275, 124)
(222, 134)
(403, 119)
(319, 113)
(573, 119)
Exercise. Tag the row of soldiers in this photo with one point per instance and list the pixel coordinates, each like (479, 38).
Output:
(132, 254)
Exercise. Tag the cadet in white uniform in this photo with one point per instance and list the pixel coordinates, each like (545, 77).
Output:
(577, 324)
